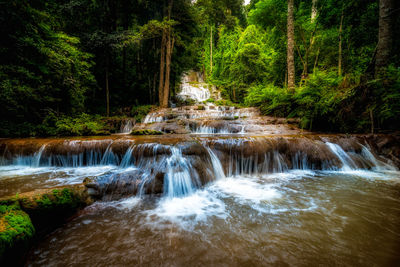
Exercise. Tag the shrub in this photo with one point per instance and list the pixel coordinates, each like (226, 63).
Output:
(318, 101)
(82, 125)
(271, 99)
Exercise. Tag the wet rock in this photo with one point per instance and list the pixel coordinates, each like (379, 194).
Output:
(146, 132)
(16, 234)
(38, 212)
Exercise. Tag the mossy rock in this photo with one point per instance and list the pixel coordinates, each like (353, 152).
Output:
(41, 211)
(201, 107)
(49, 207)
(230, 118)
(16, 230)
(146, 132)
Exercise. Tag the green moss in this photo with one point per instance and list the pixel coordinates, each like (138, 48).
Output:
(201, 107)
(146, 132)
(16, 228)
(64, 198)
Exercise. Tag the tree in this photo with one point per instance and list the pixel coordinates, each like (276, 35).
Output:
(385, 36)
(167, 47)
(290, 45)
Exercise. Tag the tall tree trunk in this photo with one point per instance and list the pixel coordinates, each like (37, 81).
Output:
(290, 46)
(124, 66)
(211, 52)
(107, 90)
(340, 45)
(314, 10)
(167, 44)
(384, 37)
(162, 67)
(170, 45)
(153, 99)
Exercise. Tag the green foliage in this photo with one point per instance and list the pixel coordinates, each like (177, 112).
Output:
(318, 101)
(80, 126)
(56, 56)
(271, 99)
(41, 67)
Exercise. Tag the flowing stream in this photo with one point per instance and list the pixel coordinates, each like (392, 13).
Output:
(231, 201)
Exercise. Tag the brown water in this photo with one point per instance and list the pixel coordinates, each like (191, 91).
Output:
(300, 218)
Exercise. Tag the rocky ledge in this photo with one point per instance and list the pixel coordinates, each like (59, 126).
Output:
(26, 217)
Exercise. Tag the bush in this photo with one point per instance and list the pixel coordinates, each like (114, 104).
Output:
(318, 101)
(271, 99)
(82, 125)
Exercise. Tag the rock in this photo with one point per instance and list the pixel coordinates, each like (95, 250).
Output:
(16, 234)
(35, 213)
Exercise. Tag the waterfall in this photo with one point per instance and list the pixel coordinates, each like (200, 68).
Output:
(109, 158)
(347, 163)
(197, 91)
(37, 156)
(178, 181)
(376, 164)
(176, 167)
(210, 130)
(216, 164)
(127, 127)
(126, 160)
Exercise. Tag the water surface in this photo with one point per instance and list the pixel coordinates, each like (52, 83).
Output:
(300, 218)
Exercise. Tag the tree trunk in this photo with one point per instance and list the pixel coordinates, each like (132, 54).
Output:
(170, 45)
(384, 37)
(162, 67)
(107, 92)
(314, 10)
(153, 99)
(340, 45)
(211, 52)
(167, 44)
(290, 46)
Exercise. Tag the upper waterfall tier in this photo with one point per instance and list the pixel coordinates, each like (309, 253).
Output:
(193, 87)
(211, 119)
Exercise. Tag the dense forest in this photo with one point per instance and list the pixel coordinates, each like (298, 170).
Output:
(71, 67)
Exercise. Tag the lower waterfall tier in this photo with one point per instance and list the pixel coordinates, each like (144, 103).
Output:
(175, 166)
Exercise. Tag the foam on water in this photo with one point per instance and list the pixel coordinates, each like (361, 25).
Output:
(188, 211)
(19, 170)
(246, 189)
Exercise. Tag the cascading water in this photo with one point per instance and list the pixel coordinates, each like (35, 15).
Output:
(178, 181)
(127, 127)
(197, 91)
(210, 130)
(37, 156)
(278, 188)
(348, 163)
(217, 166)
